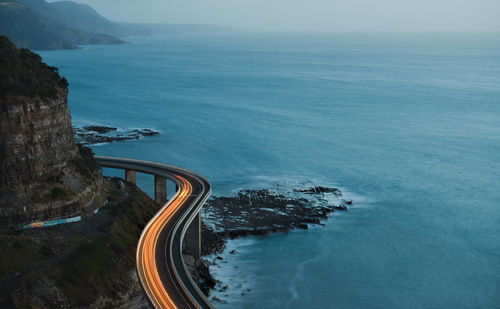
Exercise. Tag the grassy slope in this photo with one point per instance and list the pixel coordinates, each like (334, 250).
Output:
(88, 261)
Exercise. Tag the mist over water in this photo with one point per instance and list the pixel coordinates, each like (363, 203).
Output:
(407, 125)
(313, 15)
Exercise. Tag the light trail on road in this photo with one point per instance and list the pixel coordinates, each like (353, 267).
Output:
(160, 264)
(148, 244)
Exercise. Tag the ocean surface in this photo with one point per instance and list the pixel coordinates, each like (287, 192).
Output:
(407, 125)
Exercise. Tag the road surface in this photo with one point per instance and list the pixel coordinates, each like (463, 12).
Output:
(160, 264)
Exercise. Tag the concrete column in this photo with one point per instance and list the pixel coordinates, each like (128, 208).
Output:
(130, 176)
(192, 239)
(160, 190)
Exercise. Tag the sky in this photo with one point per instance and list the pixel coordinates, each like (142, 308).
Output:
(312, 15)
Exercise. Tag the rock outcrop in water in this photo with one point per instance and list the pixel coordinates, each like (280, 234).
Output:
(92, 135)
(43, 174)
(258, 212)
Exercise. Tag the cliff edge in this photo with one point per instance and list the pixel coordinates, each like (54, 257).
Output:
(43, 173)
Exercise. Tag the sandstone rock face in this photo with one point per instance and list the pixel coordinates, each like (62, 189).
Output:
(43, 174)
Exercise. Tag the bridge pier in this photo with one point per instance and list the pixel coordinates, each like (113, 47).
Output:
(130, 176)
(160, 190)
(192, 239)
(192, 233)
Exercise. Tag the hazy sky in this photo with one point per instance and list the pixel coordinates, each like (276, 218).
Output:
(326, 15)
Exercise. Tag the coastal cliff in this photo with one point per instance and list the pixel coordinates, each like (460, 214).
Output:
(43, 174)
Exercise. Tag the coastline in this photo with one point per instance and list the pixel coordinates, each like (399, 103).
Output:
(231, 222)
(351, 123)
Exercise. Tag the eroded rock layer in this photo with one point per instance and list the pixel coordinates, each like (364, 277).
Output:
(43, 174)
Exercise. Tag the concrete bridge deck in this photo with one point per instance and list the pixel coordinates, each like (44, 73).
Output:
(160, 264)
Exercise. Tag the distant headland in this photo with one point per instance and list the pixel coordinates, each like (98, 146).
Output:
(41, 25)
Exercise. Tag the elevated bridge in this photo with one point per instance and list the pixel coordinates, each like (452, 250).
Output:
(160, 265)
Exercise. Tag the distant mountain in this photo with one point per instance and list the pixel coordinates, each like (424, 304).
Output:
(84, 17)
(165, 28)
(37, 24)
(25, 29)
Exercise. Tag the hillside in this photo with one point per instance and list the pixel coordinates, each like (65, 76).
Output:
(37, 24)
(22, 26)
(88, 264)
(84, 17)
(44, 175)
(24, 74)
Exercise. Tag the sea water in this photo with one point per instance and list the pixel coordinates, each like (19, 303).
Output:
(408, 125)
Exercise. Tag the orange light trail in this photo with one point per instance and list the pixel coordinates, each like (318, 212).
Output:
(147, 247)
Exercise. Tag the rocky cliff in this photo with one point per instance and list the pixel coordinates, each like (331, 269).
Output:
(43, 174)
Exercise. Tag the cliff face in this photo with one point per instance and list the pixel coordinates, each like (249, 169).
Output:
(43, 174)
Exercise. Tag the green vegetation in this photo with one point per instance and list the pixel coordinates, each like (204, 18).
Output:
(19, 254)
(22, 72)
(85, 261)
(54, 178)
(37, 24)
(95, 265)
(84, 17)
(58, 193)
(85, 163)
(86, 270)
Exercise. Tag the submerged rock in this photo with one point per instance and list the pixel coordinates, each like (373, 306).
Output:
(320, 189)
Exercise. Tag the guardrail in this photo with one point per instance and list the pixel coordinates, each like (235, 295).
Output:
(183, 221)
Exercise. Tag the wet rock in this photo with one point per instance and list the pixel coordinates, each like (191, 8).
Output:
(148, 132)
(99, 129)
(90, 135)
(320, 189)
(200, 272)
(311, 220)
(121, 184)
(260, 212)
(302, 226)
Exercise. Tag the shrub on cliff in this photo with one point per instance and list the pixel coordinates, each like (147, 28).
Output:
(23, 74)
(85, 163)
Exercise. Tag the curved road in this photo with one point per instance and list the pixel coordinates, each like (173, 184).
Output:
(160, 265)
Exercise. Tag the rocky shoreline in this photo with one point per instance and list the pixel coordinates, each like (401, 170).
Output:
(91, 135)
(259, 212)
